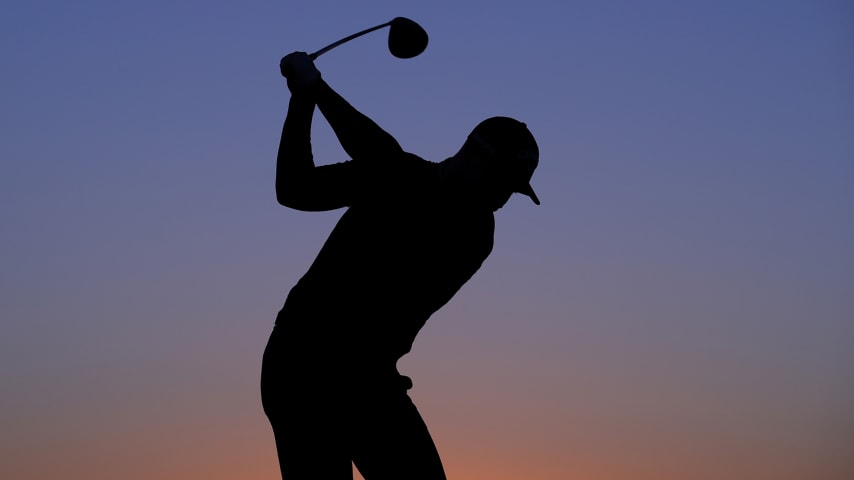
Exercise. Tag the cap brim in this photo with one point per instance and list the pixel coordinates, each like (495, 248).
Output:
(529, 191)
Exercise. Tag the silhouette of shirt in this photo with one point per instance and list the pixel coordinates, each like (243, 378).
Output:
(405, 245)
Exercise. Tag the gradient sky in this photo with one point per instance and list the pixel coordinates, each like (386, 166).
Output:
(681, 306)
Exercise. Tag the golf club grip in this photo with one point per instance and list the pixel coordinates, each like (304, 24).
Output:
(329, 47)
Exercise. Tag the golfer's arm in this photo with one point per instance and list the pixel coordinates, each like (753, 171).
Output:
(299, 184)
(360, 136)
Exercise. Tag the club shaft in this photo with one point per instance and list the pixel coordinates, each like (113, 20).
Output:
(345, 40)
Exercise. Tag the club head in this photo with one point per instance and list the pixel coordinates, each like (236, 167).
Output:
(406, 38)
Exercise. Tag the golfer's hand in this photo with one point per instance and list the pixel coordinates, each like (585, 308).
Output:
(300, 71)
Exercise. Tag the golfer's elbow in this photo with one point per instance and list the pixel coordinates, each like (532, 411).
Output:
(288, 195)
(297, 196)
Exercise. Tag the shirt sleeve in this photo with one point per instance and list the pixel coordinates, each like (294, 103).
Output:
(325, 187)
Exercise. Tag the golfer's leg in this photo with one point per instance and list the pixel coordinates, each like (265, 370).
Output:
(393, 443)
(306, 418)
(309, 451)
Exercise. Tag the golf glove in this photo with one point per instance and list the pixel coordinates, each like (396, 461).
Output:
(300, 71)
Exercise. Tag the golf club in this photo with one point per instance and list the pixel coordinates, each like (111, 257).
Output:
(406, 38)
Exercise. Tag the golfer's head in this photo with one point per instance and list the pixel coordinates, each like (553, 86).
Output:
(510, 156)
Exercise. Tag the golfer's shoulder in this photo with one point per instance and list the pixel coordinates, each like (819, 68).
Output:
(415, 161)
(414, 166)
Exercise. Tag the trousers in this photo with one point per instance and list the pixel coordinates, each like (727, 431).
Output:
(327, 416)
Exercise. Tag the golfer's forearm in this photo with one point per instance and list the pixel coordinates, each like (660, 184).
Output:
(295, 160)
(360, 136)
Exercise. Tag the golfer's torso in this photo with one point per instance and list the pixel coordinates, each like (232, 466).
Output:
(389, 264)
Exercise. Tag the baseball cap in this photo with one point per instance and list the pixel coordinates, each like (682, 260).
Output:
(509, 141)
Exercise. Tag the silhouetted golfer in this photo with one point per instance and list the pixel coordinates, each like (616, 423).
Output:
(413, 233)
